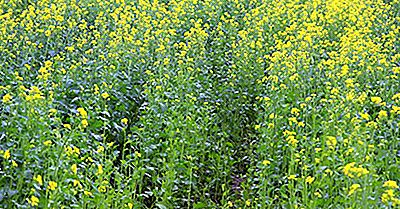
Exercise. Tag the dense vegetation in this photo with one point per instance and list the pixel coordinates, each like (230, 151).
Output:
(199, 104)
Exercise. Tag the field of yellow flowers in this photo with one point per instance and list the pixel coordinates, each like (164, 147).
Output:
(199, 104)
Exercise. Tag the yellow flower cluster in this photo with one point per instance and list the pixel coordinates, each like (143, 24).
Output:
(352, 171)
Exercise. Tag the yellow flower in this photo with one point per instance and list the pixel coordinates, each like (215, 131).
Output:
(353, 188)
(256, 127)
(329, 171)
(87, 193)
(351, 170)
(391, 184)
(376, 100)
(67, 126)
(230, 204)
(266, 162)
(310, 179)
(69, 48)
(292, 140)
(248, 202)
(318, 194)
(43, 70)
(292, 120)
(105, 95)
(347, 168)
(52, 185)
(334, 91)
(85, 123)
(396, 202)
(89, 159)
(100, 169)
(48, 33)
(100, 149)
(271, 125)
(331, 141)
(124, 121)
(74, 168)
(47, 143)
(387, 196)
(14, 164)
(364, 116)
(292, 177)
(77, 183)
(395, 109)
(138, 154)
(102, 189)
(34, 201)
(39, 179)
(7, 98)
(77, 150)
(130, 205)
(396, 96)
(6, 154)
(37, 96)
(295, 111)
(382, 114)
(82, 112)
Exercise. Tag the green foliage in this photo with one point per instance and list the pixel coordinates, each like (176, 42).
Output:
(199, 104)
